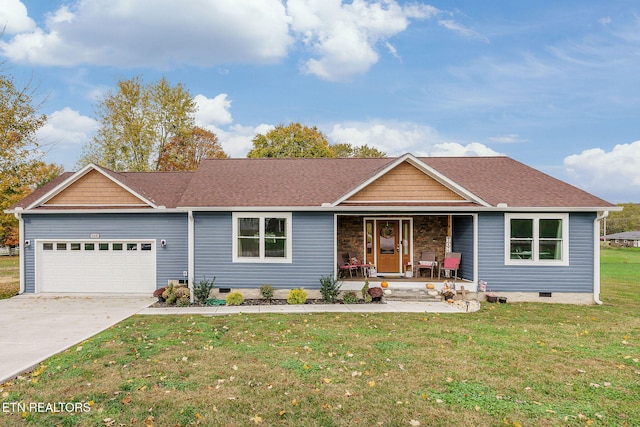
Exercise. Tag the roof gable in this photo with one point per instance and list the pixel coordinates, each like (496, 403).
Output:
(91, 187)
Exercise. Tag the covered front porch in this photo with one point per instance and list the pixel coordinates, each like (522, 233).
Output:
(391, 247)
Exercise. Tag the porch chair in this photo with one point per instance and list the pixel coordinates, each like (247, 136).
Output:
(354, 260)
(347, 266)
(451, 263)
(427, 262)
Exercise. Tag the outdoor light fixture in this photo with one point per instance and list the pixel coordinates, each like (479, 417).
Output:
(163, 243)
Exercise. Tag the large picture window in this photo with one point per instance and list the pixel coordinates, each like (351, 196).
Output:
(261, 237)
(537, 239)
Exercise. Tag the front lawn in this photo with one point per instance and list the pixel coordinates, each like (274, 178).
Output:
(511, 364)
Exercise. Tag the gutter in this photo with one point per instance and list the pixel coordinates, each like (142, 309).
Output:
(596, 256)
(190, 254)
(18, 215)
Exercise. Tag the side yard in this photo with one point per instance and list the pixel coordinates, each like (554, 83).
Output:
(9, 276)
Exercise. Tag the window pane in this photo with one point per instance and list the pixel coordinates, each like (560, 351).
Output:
(47, 246)
(248, 247)
(75, 246)
(275, 248)
(117, 246)
(145, 246)
(522, 228)
(61, 246)
(551, 249)
(132, 246)
(550, 228)
(521, 249)
(89, 246)
(103, 246)
(275, 227)
(249, 227)
(369, 237)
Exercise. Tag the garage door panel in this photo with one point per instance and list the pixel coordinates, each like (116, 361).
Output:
(65, 266)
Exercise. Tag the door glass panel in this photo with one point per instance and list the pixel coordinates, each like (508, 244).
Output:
(75, 246)
(145, 246)
(117, 246)
(61, 246)
(132, 246)
(369, 228)
(103, 246)
(47, 246)
(387, 239)
(89, 246)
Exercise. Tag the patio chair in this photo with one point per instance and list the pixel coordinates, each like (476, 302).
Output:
(427, 262)
(347, 266)
(355, 261)
(450, 264)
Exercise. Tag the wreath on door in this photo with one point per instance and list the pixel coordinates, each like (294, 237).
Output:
(387, 231)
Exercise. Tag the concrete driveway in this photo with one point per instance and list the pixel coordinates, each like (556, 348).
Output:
(35, 327)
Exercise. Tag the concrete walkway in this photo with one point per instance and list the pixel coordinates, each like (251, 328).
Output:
(388, 307)
(35, 327)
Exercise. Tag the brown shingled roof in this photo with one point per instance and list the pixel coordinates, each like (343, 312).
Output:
(220, 183)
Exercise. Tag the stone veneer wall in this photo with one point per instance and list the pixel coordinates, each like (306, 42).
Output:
(350, 236)
(429, 234)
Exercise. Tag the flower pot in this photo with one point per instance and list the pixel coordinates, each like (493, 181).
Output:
(492, 298)
(502, 300)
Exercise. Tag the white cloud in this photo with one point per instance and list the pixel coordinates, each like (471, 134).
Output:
(462, 30)
(614, 174)
(454, 149)
(14, 18)
(66, 128)
(155, 33)
(213, 111)
(507, 139)
(237, 139)
(344, 37)
(396, 138)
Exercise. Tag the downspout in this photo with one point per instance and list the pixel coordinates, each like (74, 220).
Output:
(191, 253)
(21, 261)
(596, 256)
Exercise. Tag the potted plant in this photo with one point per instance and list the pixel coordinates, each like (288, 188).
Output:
(448, 291)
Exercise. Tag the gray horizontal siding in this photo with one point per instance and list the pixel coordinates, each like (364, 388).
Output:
(576, 277)
(312, 253)
(171, 261)
(462, 241)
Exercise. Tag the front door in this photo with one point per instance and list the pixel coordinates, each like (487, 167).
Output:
(388, 239)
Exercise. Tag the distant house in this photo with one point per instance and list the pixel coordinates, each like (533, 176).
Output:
(628, 239)
(287, 222)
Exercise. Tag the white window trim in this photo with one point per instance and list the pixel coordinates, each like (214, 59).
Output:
(262, 259)
(535, 259)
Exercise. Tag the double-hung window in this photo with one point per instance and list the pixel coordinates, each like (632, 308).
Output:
(261, 237)
(536, 239)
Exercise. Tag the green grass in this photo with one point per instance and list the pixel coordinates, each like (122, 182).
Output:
(508, 364)
(9, 276)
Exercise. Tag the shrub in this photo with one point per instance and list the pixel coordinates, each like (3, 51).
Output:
(297, 296)
(168, 291)
(182, 292)
(202, 290)
(365, 291)
(266, 291)
(183, 301)
(329, 288)
(350, 298)
(235, 298)
(375, 292)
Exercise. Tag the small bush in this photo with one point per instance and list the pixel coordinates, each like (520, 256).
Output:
(365, 291)
(297, 296)
(350, 298)
(329, 288)
(158, 292)
(168, 291)
(182, 292)
(266, 291)
(183, 301)
(235, 298)
(171, 298)
(202, 290)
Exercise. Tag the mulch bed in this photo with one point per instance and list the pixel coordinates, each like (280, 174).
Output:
(261, 302)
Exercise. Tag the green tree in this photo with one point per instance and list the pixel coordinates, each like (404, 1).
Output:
(136, 123)
(363, 151)
(185, 152)
(293, 140)
(20, 163)
(626, 220)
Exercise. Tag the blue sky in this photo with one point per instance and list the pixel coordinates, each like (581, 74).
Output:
(555, 85)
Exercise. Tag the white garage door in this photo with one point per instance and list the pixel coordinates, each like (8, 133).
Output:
(123, 266)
